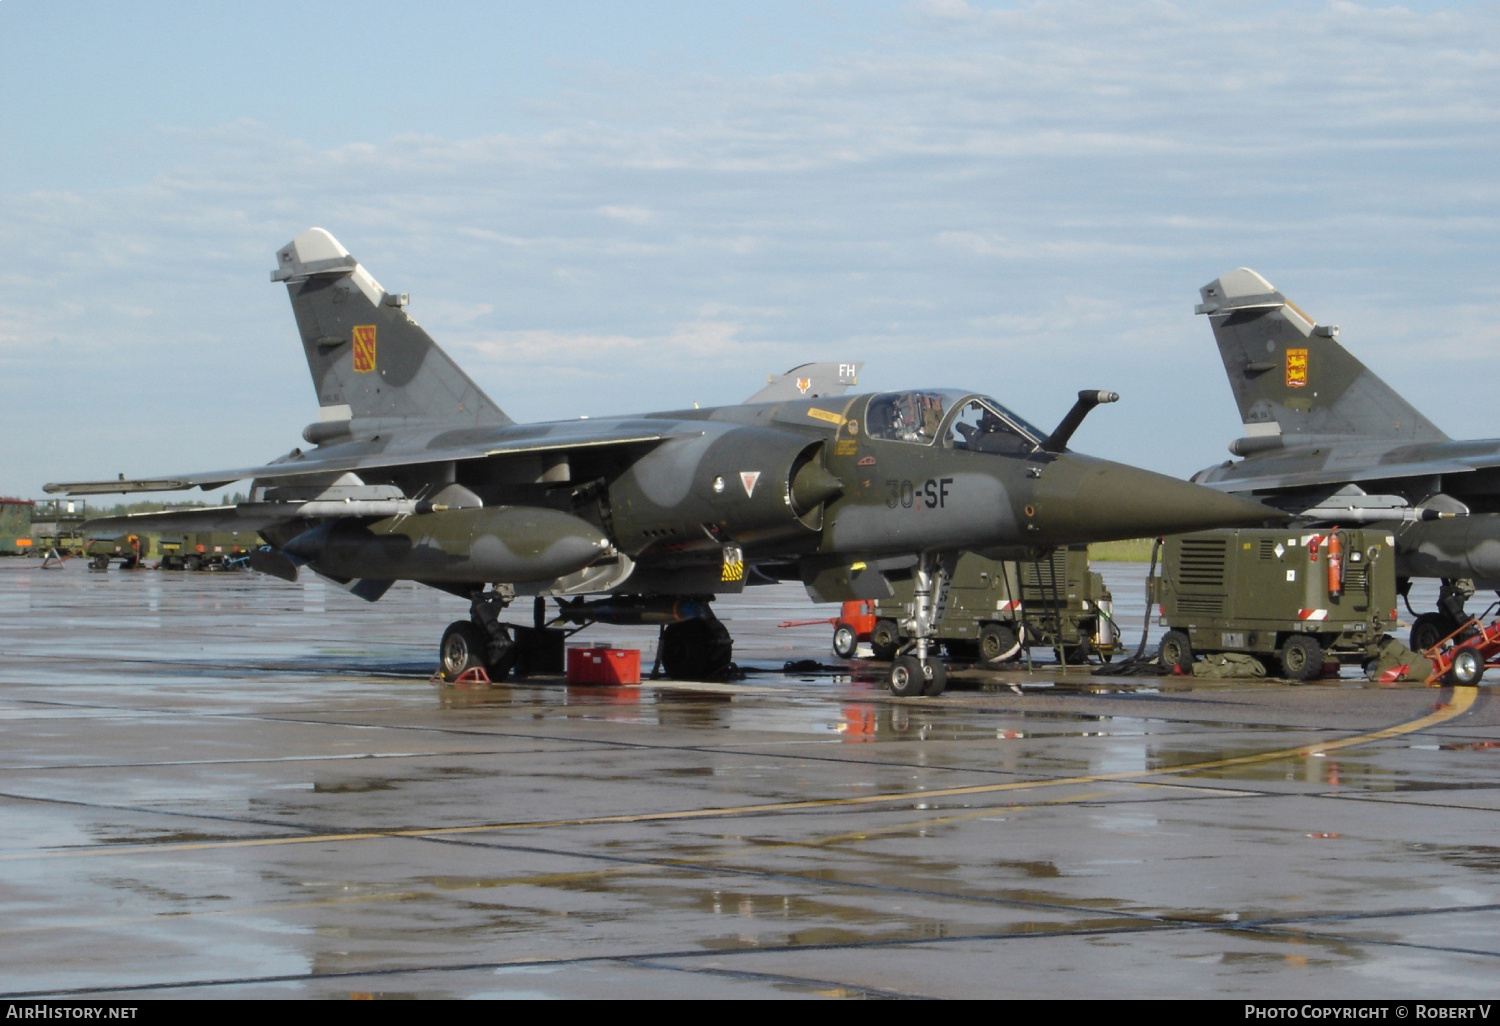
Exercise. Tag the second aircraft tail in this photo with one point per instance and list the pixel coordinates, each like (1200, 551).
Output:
(1290, 375)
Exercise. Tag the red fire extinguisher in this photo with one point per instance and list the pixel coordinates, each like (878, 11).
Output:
(1335, 564)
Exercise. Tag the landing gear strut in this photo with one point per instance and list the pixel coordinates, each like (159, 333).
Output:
(482, 640)
(917, 670)
(696, 649)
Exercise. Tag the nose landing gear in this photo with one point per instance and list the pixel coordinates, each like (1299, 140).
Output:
(917, 669)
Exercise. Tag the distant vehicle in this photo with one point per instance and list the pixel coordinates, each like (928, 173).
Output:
(198, 550)
(57, 524)
(128, 550)
(208, 550)
(1297, 598)
(993, 606)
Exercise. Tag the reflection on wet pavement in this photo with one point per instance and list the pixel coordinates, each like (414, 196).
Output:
(227, 785)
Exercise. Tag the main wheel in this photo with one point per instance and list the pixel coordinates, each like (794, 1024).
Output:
(906, 678)
(1429, 629)
(99, 563)
(885, 639)
(845, 641)
(1176, 651)
(695, 649)
(193, 563)
(464, 647)
(1302, 657)
(937, 678)
(997, 644)
(1468, 667)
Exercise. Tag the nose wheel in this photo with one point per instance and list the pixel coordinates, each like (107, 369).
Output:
(911, 676)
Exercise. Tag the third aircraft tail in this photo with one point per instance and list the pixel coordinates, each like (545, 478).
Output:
(1292, 380)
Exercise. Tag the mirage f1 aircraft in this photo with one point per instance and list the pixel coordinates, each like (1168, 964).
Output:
(1327, 439)
(412, 473)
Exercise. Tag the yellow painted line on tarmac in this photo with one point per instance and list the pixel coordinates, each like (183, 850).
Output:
(1460, 703)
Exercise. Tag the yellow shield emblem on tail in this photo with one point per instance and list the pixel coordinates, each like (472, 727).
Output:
(1296, 368)
(364, 348)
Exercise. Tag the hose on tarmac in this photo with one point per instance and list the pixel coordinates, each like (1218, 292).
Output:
(1138, 665)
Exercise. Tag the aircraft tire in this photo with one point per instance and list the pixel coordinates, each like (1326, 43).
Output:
(1176, 651)
(885, 639)
(1468, 667)
(997, 644)
(1302, 657)
(845, 641)
(193, 563)
(696, 649)
(937, 683)
(1428, 630)
(463, 648)
(906, 677)
(99, 563)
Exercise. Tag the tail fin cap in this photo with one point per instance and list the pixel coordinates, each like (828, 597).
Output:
(314, 253)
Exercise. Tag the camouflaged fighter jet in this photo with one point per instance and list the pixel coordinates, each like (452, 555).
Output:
(1327, 439)
(412, 473)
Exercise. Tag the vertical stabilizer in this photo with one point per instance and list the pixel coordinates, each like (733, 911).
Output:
(809, 381)
(369, 360)
(1290, 375)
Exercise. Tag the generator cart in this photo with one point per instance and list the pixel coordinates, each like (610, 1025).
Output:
(995, 607)
(1302, 599)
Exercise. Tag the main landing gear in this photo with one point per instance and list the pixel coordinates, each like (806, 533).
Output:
(917, 670)
(695, 649)
(482, 641)
(694, 644)
(1430, 628)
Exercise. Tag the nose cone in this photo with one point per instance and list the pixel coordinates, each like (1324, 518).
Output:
(1081, 499)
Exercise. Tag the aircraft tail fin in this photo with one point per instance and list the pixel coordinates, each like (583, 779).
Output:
(369, 360)
(1290, 375)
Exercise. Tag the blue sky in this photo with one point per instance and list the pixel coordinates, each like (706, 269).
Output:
(602, 208)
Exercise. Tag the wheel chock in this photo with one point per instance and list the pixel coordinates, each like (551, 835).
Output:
(474, 675)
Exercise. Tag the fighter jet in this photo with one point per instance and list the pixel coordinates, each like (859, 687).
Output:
(411, 472)
(1328, 439)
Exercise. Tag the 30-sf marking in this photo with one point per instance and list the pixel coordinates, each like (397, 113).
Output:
(931, 494)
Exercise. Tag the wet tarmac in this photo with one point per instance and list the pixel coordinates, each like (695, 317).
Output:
(230, 786)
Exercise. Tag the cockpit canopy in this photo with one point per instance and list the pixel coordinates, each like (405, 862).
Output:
(962, 421)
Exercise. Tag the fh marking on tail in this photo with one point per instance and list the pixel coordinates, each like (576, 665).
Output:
(364, 348)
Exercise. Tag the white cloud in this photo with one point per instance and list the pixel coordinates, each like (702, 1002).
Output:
(631, 215)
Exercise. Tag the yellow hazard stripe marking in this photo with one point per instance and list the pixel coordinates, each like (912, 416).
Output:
(1463, 699)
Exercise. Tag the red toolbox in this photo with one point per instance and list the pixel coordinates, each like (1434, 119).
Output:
(604, 666)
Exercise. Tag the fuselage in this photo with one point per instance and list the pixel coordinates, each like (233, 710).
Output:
(788, 487)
